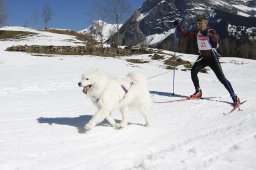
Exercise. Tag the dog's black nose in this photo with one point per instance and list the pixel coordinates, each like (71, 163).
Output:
(79, 84)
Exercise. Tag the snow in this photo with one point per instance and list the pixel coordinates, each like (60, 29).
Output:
(219, 2)
(141, 16)
(100, 27)
(156, 38)
(43, 112)
(242, 14)
(42, 38)
(244, 8)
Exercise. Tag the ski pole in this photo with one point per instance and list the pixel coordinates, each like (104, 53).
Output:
(174, 68)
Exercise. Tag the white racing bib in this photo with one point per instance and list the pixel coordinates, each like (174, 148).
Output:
(203, 42)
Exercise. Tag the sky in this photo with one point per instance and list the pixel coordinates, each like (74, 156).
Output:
(67, 14)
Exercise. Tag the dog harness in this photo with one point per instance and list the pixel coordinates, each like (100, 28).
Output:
(126, 90)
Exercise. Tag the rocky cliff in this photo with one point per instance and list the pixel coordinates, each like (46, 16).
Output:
(231, 18)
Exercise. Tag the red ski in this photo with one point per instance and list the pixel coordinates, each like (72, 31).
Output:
(185, 99)
(234, 108)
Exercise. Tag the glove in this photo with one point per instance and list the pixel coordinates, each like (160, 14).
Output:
(213, 35)
(176, 22)
(211, 32)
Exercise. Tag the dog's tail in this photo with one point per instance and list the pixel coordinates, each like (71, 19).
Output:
(140, 85)
(137, 78)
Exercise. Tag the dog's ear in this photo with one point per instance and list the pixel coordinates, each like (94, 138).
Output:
(98, 71)
(94, 70)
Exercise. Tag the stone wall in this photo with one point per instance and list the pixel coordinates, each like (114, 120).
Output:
(75, 50)
(49, 49)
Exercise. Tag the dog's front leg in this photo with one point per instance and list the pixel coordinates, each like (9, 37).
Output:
(98, 117)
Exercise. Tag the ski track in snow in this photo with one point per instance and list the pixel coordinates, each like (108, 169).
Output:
(186, 153)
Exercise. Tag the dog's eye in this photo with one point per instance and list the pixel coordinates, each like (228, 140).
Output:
(86, 79)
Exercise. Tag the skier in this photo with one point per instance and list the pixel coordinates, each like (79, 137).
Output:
(207, 43)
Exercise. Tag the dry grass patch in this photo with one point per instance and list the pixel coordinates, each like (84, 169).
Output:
(157, 57)
(175, 61)
(137, 61)
(5, 34)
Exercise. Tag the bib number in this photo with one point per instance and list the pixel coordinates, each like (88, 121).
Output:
(203, 45)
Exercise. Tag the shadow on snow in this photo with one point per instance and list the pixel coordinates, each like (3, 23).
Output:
(167, 94)
(77, 122)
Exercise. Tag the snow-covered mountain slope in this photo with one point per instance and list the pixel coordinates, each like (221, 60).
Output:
(100, 30)
(43, 112)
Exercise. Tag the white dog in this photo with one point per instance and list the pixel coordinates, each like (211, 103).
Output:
(108, 93)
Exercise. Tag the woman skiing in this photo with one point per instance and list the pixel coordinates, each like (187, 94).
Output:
(207, 43)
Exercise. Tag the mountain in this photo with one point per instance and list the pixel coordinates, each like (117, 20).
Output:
(100, 30)
(153, 22)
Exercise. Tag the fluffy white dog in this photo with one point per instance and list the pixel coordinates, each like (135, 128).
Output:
(108, 93)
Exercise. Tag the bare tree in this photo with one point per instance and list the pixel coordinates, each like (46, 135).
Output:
(46, 15)
(3, 12)
(112, 11)
(97, 13)
(35, 17)
(99, 31)
(26, 23)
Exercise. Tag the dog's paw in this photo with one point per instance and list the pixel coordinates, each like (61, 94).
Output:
(88, 127)
(146, 124)
(119, 126)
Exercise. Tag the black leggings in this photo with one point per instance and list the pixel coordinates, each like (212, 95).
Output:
(214, 64)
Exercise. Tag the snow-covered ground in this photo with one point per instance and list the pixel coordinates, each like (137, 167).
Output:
(43, 112)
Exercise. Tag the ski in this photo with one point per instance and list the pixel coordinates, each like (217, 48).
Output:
(185, 99)
(170, 101)
(234, 109)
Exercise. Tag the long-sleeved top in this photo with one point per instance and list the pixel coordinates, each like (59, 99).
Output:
(206, 39)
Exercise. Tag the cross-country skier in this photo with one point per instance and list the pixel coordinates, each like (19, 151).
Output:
(207, 42)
